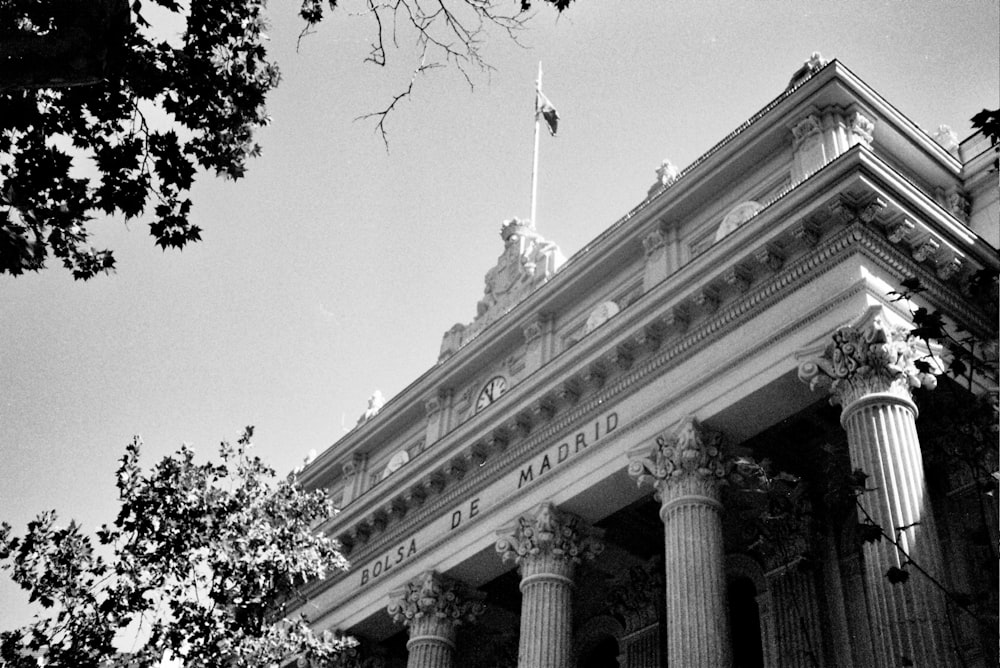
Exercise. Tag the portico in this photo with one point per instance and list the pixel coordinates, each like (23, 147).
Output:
(574, 487)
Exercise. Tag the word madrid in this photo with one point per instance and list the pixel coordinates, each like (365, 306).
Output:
(569, 446)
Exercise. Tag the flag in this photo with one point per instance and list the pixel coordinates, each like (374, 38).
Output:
(548, 112)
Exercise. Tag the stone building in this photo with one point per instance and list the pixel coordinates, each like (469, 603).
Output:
(643, 456)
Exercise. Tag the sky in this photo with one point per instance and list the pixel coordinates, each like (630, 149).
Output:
(334, 268)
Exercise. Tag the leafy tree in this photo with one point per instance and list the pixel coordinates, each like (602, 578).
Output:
(989, 122)
(193, 567)
(79, 80)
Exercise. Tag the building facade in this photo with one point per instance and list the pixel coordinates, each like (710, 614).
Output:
(705, 440)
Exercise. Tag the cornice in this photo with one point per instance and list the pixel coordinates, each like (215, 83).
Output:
(445, 483)
(625, 236)
(618, 353)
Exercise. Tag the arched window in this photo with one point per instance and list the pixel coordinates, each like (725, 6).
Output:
(744, 624)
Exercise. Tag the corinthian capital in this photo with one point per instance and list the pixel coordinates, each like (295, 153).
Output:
(870, 358)
(548, 531)
(434, 597)
(692, 455)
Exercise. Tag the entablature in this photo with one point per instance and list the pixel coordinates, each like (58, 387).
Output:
(855, 204)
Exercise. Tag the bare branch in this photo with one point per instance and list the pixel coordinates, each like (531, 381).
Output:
(384, 113)
(447, 33)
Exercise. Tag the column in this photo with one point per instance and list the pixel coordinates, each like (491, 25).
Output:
(637, 598)
(869, 370)
(686, 470)
(432, 606)
(547, 545)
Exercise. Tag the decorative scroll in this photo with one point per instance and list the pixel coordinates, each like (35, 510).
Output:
(636, 597)
(692, 453)
(866, 359)
(548, 530)
(432, 595)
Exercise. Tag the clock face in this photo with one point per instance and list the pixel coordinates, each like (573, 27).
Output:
(493, 390)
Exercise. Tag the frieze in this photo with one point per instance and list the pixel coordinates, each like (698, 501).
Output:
(672, 353)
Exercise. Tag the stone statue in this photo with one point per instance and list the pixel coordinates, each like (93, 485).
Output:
(375, 403)
(815, 63)
(666, 174)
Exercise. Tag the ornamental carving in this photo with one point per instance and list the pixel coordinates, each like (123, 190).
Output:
(862, 129)
(653, 242)
(809, 126)
(958, 206)
(738, 215)
(527, 261)
(666, 174)
(810, 67)
(636, 596)
(866, 359)
(432, 596)
(692, 454)
(549, 531)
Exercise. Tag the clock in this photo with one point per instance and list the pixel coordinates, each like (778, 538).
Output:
(492, 391)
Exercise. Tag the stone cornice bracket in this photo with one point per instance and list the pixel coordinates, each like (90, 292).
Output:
(739, 277)
(841, 210)
(927, 248)
(770, 256)
(898, 231)
(808, 126)
(533, 329)
(543, 409)
(949, 268)
(862, 129)
(595, 374)
(679, 317)
(434, 597)
(346, 541)
(870, 212)
(708, 298)
(548, 531)
(807, 232)
(621, 356)
(689, 462)
(653, 242)
(498, 441)
(432, 405)
(570, 391)
(866, 359)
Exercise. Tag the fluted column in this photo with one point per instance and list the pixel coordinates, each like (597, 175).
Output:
(869, 370)
(636, 597)
(547, 545)
(686, 470)
(432, 606)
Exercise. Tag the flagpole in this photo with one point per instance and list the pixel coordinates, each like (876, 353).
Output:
(534, 167)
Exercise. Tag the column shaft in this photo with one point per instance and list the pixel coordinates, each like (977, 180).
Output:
(697, 621)
(642, 648)
(546, 613)
(685, 469)
(908, 617)
(547, 544)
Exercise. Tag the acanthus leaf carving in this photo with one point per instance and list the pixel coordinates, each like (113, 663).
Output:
(866, 359)
(435, 597)
(550, 532)
(691, 458)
